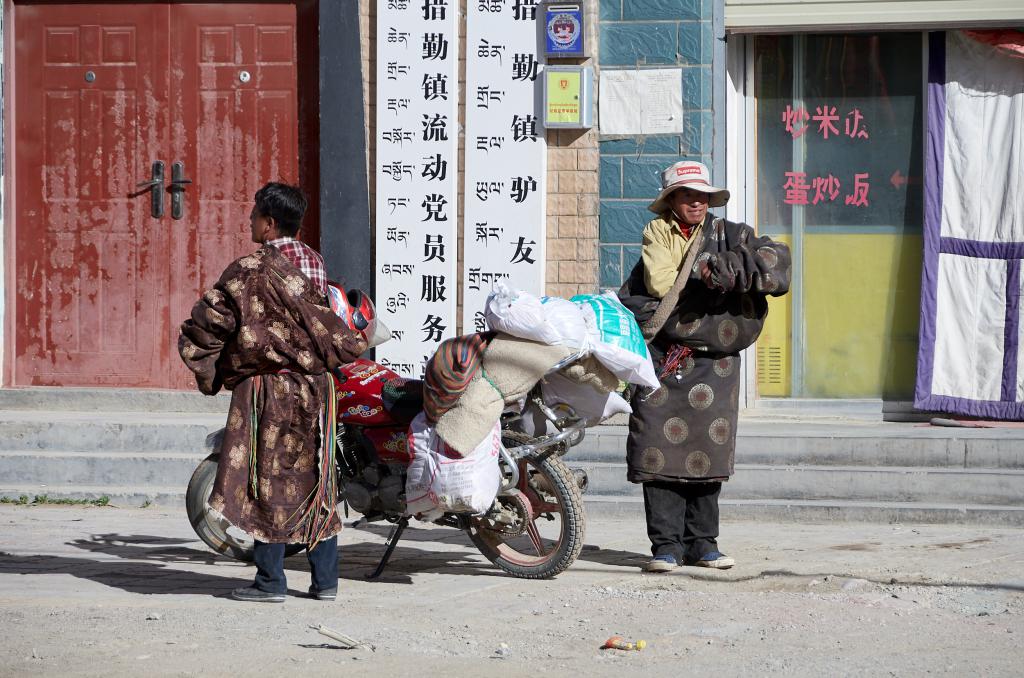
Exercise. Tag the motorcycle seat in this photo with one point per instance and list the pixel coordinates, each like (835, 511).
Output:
(403, 399)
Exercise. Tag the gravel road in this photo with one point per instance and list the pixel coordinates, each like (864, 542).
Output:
(90, 591)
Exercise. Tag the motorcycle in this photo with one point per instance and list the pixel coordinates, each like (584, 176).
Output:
(533, 530)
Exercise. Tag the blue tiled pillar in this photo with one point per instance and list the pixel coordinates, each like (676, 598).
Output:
(652, 34)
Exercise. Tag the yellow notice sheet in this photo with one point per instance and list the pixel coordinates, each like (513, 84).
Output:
(563, 104)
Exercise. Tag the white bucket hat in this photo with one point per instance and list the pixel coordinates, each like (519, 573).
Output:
(688, 174)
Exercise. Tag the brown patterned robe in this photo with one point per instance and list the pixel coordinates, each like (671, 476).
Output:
(265, 322)
(686, 430)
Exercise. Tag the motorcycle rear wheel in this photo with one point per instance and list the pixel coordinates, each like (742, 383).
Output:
(551, 490)
(210, 526)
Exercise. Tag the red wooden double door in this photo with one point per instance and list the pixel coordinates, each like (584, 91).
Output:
(100, 284)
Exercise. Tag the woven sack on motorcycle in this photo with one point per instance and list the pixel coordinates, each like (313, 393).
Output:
(441, 480)
(616, 338)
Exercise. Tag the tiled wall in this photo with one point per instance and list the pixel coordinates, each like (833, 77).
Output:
(650, 34)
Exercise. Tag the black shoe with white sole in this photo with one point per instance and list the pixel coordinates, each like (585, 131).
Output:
(326, 594)
(251, 594)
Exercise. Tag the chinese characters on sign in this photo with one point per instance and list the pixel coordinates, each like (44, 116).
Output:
(826, 117)
(505, 155)
(825, 122)
(417, 156)
(823, 189)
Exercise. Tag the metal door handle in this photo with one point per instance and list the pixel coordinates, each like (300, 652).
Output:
(156, 188)
(177, 187)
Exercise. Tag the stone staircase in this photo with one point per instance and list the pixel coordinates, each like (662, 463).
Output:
(831, 468)
(130, 446)
(826, 465)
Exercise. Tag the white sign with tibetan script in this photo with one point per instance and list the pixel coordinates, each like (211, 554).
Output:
(417, 174)
(506, 155)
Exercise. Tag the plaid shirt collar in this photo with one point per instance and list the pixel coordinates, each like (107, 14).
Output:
(305, 258)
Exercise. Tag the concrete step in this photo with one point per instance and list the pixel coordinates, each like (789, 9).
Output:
(125, 432)
(854, 483)
(823, 511)
(171, 497)
(63, 399)
(134, 446)
(113, 471)
(844, 443)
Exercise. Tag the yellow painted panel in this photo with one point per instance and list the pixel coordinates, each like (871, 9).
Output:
(773, 346)
(861, 303)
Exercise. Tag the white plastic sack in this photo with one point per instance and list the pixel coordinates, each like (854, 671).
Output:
(548, 320)
(587, 402)
(568, 322)
(518, 313)
(616, 339)
(439, 480)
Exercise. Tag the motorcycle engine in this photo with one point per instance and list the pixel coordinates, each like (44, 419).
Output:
(368, 485)
(374, 491)
(358, 495)
(391, 493)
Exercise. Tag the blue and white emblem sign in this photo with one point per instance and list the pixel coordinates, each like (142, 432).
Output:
(563, 31)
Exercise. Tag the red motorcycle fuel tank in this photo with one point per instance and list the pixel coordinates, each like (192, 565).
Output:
(372, 395)
(391, 443)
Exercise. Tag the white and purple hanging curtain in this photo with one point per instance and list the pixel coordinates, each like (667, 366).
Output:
(970, 359)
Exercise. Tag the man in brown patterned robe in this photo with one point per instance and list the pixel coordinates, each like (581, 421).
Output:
(266, 333)
(682, 437)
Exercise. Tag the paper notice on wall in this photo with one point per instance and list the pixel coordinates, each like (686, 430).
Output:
(641, 101)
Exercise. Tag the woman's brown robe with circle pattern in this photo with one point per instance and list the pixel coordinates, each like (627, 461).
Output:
(686, 430)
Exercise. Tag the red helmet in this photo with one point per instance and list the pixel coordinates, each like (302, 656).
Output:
(355, 308)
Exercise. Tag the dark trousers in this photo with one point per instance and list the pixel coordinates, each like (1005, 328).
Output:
(269, 559)
(682, 519)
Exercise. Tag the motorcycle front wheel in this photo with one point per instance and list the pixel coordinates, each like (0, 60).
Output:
(210, 526)
(538, 531)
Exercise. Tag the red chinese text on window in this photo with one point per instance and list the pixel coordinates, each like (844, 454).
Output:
(796, 188)
(826, 116)
(859, 197)
(826, 189)
(854, 128)
(796, 121)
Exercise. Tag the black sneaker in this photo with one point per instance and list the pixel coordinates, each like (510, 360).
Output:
(251, 594)
(326, 594)
(662, 563)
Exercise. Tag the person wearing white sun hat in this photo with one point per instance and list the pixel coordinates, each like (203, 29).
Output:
(699, 293)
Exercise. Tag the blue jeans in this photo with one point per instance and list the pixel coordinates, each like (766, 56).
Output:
(269, 559)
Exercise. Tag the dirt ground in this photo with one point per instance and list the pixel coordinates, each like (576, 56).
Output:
(130, 592)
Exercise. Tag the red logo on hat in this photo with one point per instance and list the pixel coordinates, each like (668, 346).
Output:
(683, 171)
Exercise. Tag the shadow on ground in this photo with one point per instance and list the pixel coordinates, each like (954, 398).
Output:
(149, 564)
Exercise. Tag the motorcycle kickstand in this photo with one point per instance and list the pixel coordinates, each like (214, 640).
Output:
(392, 542)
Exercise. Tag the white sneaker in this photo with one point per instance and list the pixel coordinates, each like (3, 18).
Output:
(716, 560)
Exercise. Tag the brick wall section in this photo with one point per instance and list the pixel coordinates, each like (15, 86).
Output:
(638, 34)
(572, 175)
(574, 194)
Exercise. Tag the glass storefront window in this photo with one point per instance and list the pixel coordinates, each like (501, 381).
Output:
(838, 131)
